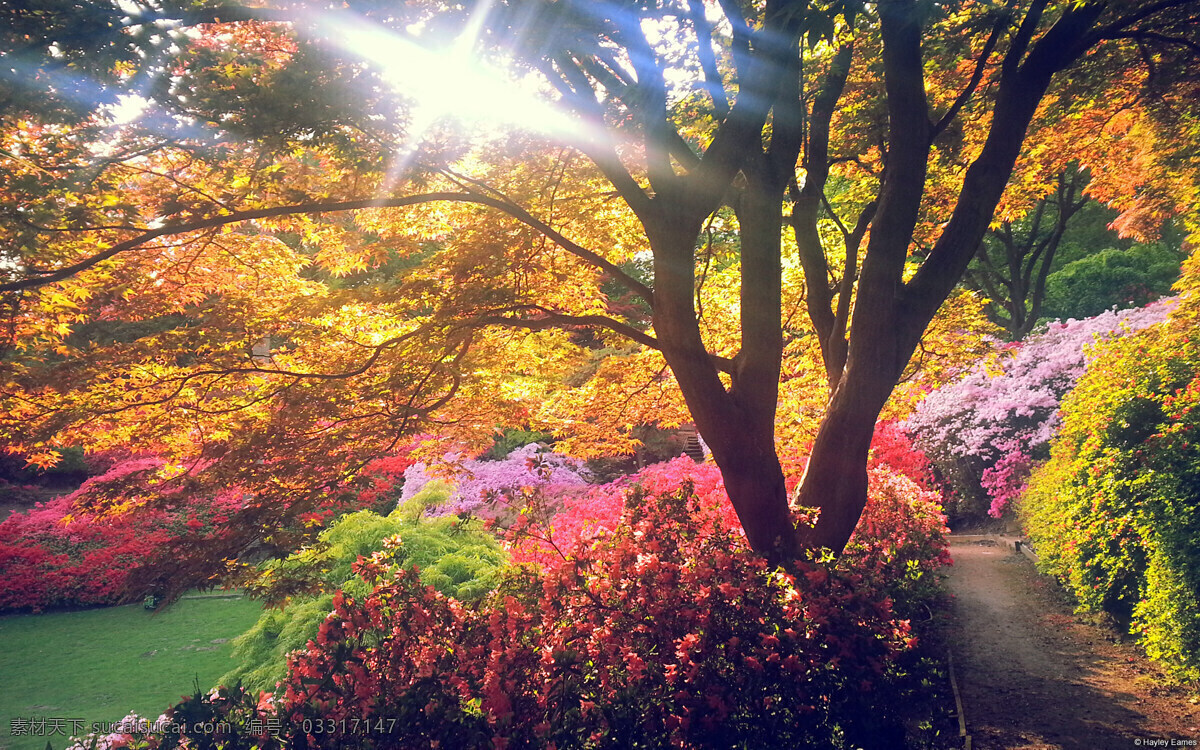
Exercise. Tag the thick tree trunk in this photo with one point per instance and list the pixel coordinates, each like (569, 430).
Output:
(835, 480)
(738, 422)
(755, 484)
(889, 314)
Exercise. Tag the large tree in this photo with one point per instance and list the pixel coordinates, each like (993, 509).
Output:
(868, 143)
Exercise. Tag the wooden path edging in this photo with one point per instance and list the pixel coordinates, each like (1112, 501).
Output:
(958, 704)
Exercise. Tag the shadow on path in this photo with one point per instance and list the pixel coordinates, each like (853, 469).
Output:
(1033, 678)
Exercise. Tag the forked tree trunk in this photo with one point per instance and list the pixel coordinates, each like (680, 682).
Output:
(889, 315)
(737, 423)
(835, 480)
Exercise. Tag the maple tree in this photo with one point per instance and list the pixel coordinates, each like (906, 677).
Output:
(1097, 152)
(287, 265)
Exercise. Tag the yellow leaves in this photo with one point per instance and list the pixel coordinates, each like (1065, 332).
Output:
(617, 391)
(429, 222)
(43, 459)
(56, 299)
(957, 337)
(337, 253)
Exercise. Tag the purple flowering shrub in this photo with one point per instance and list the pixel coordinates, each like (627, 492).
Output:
(479, 483)
(985, 433)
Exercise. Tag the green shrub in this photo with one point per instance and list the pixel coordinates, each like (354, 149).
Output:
(458, 558)
(1115, 512)
(1125, 278)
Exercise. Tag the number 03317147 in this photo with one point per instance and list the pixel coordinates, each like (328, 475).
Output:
(348, 726)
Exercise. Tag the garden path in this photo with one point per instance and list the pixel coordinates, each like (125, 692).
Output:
(1034, 677)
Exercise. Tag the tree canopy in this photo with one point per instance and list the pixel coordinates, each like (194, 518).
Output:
(267, 243)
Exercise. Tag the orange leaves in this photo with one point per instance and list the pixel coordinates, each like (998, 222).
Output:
(622, 390)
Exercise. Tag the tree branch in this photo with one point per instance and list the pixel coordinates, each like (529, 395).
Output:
(547, 318)
(708, 60)
(976, 76)
(317, 207)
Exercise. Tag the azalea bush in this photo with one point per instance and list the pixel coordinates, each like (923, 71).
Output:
(478, 484)
(900, 545)
(547, 528)
(127, 531)
(984, 433)
(59, 554)
(554, 525)
(50, 559)
(1115, 512)
(893, 448)
(650, 625)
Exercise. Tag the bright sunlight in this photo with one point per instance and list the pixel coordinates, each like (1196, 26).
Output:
(452, 82)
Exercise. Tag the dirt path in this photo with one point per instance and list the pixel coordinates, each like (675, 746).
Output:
(1035, 678)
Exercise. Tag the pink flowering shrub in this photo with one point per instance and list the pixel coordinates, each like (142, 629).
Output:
(1005, 480)
(58, 554)
(650, 625)
(480, 484)
(123, 534)
(984, 433)
(899, 543)
(580, 514)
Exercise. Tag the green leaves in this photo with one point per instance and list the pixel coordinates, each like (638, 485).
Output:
(1116, 511)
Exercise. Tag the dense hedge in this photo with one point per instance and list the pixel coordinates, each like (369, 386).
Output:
(1115, 512)
(1124, 278)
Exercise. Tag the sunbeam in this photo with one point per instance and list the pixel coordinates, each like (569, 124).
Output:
(451, 83)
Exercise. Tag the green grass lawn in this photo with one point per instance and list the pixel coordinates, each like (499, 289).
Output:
(98, 665)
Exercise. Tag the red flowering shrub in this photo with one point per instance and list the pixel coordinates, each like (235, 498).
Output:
(49, 558)
(549, 531)
(900, 543)
(59, 555)
(891, 447)
(666, 632)
(382, 480)
(148, 536)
